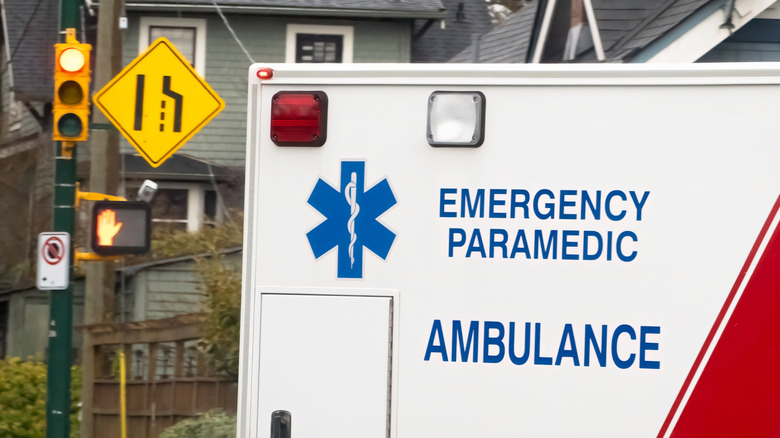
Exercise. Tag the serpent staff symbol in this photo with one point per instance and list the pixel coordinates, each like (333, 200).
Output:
(342, 213)
(350, 192)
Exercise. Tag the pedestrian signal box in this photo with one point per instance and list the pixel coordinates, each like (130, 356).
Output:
(121, 227)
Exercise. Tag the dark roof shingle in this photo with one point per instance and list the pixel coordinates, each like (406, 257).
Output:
(507, 43)
(32, 33)
(657, 21)
(464, 21)
(625, 29)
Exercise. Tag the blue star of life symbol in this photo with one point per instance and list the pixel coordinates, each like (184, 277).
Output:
(351, 219)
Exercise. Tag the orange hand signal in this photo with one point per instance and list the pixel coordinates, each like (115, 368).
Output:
(107, 227)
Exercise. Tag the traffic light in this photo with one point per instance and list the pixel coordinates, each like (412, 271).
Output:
(71, 89)
(121, 227)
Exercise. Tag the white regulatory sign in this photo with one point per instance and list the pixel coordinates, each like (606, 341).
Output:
(53, 261)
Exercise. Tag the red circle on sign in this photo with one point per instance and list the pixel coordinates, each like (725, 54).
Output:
(53, 250)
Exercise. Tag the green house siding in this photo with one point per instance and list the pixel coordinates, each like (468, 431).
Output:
(223, 140)
(28, 321)
(383, 41)
(165, 291)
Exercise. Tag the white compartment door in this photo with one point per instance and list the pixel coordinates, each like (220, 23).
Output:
(326, 360)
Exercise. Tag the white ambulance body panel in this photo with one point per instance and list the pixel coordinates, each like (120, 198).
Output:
(561, 279)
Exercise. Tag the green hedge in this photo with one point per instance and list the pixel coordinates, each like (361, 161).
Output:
(213, 424)
(23, 399)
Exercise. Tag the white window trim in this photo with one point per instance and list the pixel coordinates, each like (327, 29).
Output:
(348, 32)
(200, 36)
(196, 202)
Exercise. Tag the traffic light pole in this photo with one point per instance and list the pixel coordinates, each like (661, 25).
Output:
(61, 301)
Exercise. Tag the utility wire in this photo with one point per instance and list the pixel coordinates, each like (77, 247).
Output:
(220, 200)
(230, 29)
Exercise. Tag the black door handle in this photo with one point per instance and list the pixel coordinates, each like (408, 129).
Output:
(281, 424)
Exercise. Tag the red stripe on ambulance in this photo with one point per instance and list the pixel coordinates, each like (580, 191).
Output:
(736, 390)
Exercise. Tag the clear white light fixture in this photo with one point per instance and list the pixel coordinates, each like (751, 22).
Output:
(456, 118)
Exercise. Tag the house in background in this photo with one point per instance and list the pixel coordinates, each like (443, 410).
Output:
(271, 32)
(26, 149)
(203, 181)
(221, 44)
(653, 31)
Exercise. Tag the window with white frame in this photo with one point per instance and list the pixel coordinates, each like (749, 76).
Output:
(187, 34)
(186, 206)
(314, 43)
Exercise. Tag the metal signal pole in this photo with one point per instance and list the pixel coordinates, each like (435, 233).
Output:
(61, 301)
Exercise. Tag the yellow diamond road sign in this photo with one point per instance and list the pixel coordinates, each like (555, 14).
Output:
(158, 102)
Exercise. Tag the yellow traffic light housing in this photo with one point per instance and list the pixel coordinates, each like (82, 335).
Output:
(71, 89)
(121, 227)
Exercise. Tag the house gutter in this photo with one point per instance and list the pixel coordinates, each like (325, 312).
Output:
(281, 10)
(135, 269)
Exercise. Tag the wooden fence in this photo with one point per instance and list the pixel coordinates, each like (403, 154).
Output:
(167, 376)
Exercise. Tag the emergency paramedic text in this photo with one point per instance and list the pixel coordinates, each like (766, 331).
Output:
(570, 243)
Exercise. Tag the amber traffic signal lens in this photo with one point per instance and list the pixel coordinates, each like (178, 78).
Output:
(70, 93)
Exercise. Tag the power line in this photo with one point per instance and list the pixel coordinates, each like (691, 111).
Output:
(230, 29)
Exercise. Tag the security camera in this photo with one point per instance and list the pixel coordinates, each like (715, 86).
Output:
(147, 191)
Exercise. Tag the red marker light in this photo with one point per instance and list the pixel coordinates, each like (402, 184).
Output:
(299, 118)
(265, 73)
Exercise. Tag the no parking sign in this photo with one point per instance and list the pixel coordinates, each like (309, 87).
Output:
(53, 261)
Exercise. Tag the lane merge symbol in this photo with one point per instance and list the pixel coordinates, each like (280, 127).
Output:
(158, 102)
(351, 219)
(53, 250)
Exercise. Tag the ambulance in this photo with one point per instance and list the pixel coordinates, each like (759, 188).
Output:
(511, 250)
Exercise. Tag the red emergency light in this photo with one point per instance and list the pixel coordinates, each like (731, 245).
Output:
(299, 118)
(265, 73)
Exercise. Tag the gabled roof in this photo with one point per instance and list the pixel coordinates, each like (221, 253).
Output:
(506, 43)
(625, 31)
(339, 8)
(440, 41)
(179, 167)
(630, 31)
(32, 33)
